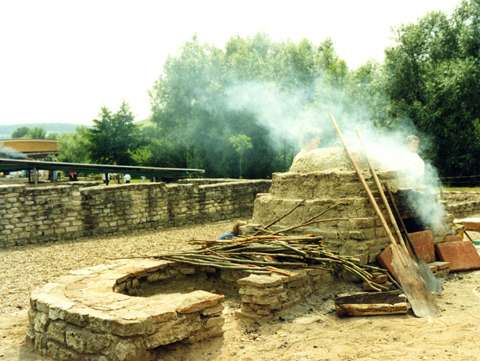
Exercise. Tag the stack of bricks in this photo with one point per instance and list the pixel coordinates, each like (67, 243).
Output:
(265, 296)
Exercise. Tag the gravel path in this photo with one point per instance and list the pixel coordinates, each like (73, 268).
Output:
(311, 334)
(27, 267)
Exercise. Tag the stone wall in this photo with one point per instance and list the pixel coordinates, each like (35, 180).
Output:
(462, 204)
(40, 214)
(31, 214)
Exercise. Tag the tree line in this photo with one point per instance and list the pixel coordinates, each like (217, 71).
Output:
(429, 79)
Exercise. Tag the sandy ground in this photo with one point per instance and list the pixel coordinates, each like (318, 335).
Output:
(309, 332)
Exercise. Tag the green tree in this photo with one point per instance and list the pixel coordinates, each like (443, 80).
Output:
(53, 136)
(193, 116)
(75, 147)
(36, 133)
(433, 78)
(113, 136)
(20, 132)
(241, 143)
(29, 133)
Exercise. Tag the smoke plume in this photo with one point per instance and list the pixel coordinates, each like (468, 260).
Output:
(7, 152)
(288, 114)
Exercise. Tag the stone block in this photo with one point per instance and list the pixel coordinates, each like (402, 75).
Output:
(131, 350)
(212, 311)
(205, 334)
(261, 281)
(216, 322)
(198, 300)
(61, 353)
(56, 331)
(84, 341)
(40, 322)
(462, 255)
(271, 300)
(260, 292)
(423, 245)
(173, 331)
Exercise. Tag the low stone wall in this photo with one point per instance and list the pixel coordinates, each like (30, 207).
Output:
(49, 213)
(124, 310)
(90, 315)
(38, 214)
(462, 204)
(120, 208)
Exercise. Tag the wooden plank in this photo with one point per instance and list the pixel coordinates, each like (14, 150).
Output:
(371, 304)
(470, 224)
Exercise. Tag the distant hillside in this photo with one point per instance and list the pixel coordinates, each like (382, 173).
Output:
(6, 130)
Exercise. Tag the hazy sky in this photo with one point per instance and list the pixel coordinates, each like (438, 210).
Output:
(60, 61)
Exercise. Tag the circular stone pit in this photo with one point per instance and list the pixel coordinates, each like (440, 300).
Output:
(90, 314)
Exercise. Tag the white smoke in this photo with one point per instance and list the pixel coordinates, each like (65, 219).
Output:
(7, 152)
(289, 114)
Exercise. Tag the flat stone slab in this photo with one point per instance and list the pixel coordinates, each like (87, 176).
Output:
(462, 255)
(91, 312)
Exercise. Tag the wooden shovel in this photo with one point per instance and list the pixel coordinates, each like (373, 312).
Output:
(422, 301)
(432, 283)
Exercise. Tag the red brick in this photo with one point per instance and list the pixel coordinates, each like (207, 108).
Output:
(462, 255)
(423, 245)
(384, 259)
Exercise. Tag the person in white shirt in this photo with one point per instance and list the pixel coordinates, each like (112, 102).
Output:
(416, 165)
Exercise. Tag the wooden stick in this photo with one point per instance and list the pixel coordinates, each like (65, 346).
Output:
(308, 221)
(284, 215)
(393, 221)
(400, 220)
(365, 185)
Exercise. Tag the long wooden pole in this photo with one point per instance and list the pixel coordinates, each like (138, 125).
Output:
(393, 221)
(400, 221)
(365, 185)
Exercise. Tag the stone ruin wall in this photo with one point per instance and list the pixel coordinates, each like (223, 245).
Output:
(462, 204)
(49, 213)
(40, 214)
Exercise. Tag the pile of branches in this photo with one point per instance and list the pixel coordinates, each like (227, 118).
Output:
(273, 253)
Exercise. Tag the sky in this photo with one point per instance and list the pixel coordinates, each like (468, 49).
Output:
(62, 60)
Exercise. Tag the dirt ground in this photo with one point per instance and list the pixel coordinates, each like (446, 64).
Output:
(311, 331)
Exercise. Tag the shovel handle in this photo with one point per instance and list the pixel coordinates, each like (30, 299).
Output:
(364, 183)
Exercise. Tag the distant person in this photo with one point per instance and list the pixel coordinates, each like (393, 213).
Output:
(72, 176)
(127, 178)
(106, 179)
(234, 233)
(416, 165)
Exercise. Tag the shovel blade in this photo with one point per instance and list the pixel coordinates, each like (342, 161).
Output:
(413, 284)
